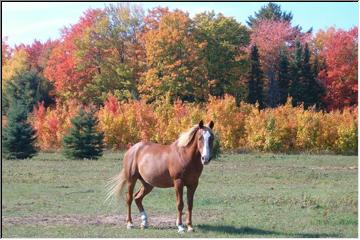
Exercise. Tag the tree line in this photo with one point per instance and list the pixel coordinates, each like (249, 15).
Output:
(120, 50)
(165, 55)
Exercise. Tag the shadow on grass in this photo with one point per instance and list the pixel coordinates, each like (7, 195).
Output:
(255, 231)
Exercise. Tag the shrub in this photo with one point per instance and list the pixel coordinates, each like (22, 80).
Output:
(172, 119)
(229, 121)
(126, 123)
(281, 129)
(348, 133)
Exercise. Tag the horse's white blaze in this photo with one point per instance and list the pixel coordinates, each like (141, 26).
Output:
(206, 149)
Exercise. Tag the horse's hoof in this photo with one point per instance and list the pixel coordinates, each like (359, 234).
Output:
(144, 225)
(190, 229)
(181, 229)
(129, 225)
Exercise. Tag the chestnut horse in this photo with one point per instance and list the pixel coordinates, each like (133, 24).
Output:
(176, 165)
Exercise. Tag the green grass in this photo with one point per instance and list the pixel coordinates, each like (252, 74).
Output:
(239, 195)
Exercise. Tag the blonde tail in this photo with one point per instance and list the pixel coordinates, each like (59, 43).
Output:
(116, 185)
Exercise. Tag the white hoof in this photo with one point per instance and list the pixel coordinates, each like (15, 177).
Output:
(190, 229)
(144, 222)
(144, 225)
(129, 225)
(181, 229)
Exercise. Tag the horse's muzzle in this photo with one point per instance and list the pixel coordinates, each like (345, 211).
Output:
(205, 161)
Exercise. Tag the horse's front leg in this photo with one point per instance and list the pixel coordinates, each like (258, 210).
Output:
(179, 186)
(190, 198)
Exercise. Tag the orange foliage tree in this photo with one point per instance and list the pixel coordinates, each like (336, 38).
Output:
(173, 64)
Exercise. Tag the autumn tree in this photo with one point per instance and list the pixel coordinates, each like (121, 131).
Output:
(111, 49)
(223, 39)
(338, 49)
(255, 79)
(18, 63)
(39, 53)
(62, 67)
(173, 64)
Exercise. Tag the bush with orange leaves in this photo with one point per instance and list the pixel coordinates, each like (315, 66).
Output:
(124, 124)
(52, 124)
(229, 121)
(271, 129)
(282, 129)
(293, 129)
(172, 119)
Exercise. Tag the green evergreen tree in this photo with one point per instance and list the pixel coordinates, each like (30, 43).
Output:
(313, 91)
(255, 79)
(271, 11)
(18, 137)
(283, 77)
(296, 86)
(273, 97)
(83, 140)
(30, 88)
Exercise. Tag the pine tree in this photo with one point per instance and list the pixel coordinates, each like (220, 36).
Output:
(317, 90)
(283, 78)
(296, 86)
(255, 79)
(312, 88)
(18, 136)
(29, 87)
(271, 11)
(273, 97)
(83, 141)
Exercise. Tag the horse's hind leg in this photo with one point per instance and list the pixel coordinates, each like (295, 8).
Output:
(129, 198)
(144, 190)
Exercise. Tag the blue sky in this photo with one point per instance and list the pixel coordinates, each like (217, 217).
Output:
(24, 22)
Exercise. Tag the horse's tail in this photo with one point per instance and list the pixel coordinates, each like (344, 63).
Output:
(116, 185)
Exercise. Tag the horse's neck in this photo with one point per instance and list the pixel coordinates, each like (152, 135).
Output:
(190, 153)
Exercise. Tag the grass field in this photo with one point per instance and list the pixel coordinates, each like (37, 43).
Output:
(242, 195)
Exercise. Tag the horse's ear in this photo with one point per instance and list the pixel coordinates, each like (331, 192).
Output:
(211, 124)
(201, 124)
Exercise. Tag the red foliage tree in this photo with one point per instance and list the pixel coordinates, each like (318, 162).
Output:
(339, 50)
(38, 54)
(271, 36)
(62, 67)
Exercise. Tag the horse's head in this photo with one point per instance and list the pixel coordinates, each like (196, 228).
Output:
(205, 141)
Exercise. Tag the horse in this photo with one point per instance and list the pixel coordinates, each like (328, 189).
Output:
(177, 165)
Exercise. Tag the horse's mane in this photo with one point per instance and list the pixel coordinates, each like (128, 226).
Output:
(185, 137)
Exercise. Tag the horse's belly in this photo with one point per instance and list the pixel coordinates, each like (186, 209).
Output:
(156, 175)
